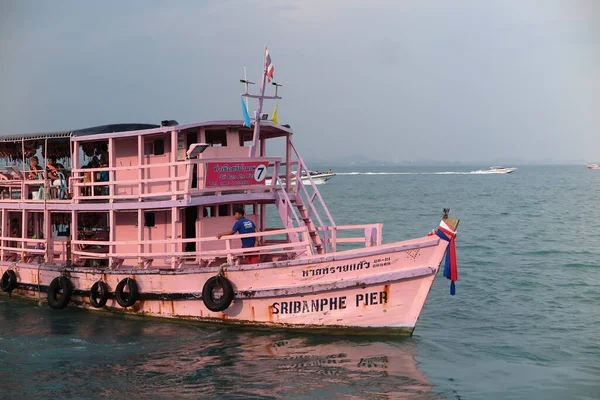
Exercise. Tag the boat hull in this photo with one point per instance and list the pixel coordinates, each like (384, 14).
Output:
(381, 290)
(495, 171)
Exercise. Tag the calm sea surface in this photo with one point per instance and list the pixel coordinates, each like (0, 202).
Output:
(524, 324)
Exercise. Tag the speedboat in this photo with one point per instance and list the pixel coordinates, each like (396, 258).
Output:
(593, 166)
(502, 170)
(317, 177)
(495, 170)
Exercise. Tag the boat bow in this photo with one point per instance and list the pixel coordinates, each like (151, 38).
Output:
(447, 231)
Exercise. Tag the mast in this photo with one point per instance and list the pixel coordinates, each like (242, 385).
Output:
(258, 114)
(260, 97)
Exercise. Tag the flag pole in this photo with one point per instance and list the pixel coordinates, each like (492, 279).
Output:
(246, 79)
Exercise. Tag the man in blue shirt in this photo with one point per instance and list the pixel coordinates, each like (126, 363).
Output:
(242, 225)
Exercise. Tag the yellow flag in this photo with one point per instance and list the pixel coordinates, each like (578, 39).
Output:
(275, 117)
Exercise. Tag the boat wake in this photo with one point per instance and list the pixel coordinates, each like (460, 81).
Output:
(479, 172)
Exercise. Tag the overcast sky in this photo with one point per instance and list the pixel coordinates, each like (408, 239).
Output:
(470, 81)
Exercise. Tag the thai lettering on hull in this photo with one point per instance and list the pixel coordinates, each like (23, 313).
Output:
(357, 266)
(338, 268)
(328, 303)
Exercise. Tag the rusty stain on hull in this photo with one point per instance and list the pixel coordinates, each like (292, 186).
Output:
(386, 289)
(270, 313)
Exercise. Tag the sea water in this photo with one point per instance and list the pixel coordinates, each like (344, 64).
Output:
(524, 323)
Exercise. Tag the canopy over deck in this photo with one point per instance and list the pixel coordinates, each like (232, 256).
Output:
(268, 130)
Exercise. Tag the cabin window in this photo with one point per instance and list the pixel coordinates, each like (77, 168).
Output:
(149, 219)
(250, 209)
(159, 147)
(154, 147)
(209, 211)
(224, 210)
(245, 139)
(148, 148)
(216, 138)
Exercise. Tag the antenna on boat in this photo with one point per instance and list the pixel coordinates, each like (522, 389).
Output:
(277, 85)
(246, 82)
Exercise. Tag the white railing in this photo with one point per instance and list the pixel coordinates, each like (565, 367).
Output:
(18, 186)
(21, 247)
(372, 235)
(176, 181)
(297, 249)
(28, 247)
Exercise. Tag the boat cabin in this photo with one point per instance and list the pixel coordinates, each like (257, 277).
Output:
(158, 195)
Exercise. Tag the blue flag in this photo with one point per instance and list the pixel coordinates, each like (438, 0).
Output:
(245, 113)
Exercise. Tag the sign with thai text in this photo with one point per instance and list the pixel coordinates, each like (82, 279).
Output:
(235, 173)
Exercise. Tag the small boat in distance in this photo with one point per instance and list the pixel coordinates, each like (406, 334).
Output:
(593, 166)
(495, 170)
(317, 177)
(501, 170)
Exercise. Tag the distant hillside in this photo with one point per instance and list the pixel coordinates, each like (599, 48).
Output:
(346, 161)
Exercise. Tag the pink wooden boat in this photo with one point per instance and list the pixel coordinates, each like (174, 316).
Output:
(125, 218)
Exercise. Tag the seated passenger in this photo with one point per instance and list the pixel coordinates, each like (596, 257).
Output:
(104, 174)
(53, 168)
(34, 169)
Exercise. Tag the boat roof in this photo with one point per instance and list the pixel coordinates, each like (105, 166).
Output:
(268, 129)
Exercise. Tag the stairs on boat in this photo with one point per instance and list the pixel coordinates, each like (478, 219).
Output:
(312, 230)
(287, 210)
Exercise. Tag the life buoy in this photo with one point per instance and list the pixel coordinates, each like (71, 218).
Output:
(127, 299)
(56, 299)
(9, 281)
(208, 293)
(99, 294)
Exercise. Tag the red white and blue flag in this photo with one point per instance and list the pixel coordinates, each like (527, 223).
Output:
(269, 65)
(450, 265)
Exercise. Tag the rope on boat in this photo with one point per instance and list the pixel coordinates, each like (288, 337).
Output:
(221, 269)
(39, 285)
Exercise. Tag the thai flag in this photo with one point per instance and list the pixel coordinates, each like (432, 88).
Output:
(450, 266)
(269, 65)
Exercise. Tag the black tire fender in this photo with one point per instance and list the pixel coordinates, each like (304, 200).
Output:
(208, 298)
(127, 299)
(60, 283)
(99, 294)
(9, 281)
